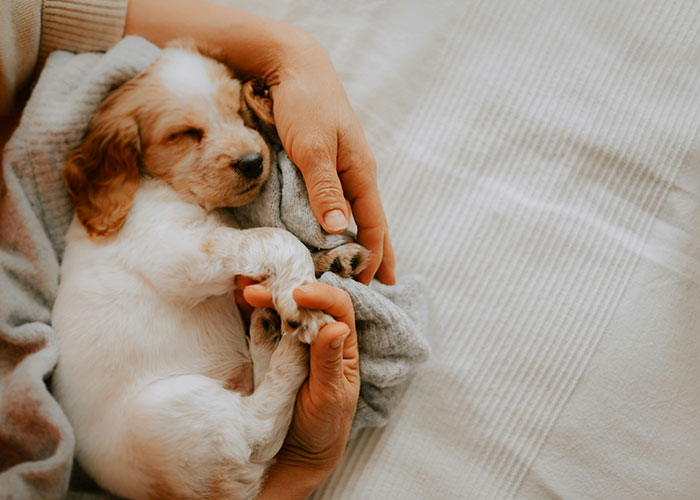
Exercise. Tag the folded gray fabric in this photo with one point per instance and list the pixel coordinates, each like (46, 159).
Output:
(36, 441)
(283, 202)
(390, 320)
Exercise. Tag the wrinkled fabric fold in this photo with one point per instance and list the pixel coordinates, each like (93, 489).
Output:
(36, 441)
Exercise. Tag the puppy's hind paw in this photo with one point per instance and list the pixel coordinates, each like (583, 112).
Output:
(265, 326)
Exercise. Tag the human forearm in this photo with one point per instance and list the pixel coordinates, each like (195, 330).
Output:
(252, 45)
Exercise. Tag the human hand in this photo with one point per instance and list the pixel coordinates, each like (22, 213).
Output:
(324, 138)
(326, 403)
(314, 119)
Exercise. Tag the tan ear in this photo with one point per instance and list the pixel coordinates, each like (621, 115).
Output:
(254, 98)
(102, 173)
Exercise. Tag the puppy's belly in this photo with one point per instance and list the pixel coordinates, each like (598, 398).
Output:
(110, 351)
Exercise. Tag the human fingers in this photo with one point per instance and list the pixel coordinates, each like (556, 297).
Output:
(316, 159)
(337, 303)
(241, 283)
(245, 308)
(309, 103)
(326, 298)
(358, 175)
(386, 273)
(334, 376)
(258, 296)
(244, 281)
(326, 355)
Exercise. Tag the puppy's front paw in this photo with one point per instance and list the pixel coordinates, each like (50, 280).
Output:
(346, 260)
(303, 323)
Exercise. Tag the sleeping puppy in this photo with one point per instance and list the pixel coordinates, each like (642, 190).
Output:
(167, 395)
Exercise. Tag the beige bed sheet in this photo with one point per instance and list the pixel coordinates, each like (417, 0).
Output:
(539, 163)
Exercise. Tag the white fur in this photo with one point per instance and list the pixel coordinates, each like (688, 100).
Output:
(184, 74)
(150, 335)
(148, 331)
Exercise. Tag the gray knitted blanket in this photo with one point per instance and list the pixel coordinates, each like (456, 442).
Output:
(36, 441)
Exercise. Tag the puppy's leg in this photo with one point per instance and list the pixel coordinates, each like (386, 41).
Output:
(188, 437)
(277, 259)
(241, 379)
(206, 264)
(185, 437)
(346, 260)
(264, 336)
(272, 404)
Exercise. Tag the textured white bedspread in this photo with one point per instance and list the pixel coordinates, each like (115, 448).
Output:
(540, 163)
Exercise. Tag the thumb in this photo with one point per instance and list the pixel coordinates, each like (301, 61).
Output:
(326, 355)
(326, 196)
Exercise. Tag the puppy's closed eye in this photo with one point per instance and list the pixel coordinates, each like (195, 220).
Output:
(191, 133)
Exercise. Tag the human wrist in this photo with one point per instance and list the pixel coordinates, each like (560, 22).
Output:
(296, 53)
(292, 482)
(252, 45)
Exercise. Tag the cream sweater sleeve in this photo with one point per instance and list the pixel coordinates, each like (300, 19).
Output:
(31, 29)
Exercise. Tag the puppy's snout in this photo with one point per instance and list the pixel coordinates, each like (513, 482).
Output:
(250, 165)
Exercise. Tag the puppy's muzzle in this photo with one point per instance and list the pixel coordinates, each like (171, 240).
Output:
(250, 165)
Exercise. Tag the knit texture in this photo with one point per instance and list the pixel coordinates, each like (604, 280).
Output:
(81, 25)
(391, 320)
(36, 215)
(31, 29)
(20, 30)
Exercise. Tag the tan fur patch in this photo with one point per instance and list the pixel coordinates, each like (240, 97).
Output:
(240, 380)
(192, 144)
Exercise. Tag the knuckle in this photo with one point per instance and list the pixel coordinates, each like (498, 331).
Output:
(352, 369)
(324, 185)
(365, 160)
(330, 365)
(354, 153)
(370, 164)
(311, 149)
(345, 298)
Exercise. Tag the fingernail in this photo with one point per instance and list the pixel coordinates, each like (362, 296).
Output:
(335, 220)
(338, 341)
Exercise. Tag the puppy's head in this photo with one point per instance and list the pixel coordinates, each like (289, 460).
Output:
(187, 120)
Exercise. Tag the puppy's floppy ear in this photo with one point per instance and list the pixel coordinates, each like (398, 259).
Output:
(102, 174)
(255, 100)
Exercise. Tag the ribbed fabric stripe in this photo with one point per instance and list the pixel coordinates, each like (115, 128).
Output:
(358, 454)
(652, 198)
(552, 354)
(532, 204)
(81, 25)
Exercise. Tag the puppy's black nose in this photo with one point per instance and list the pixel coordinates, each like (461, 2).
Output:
(250, 165)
